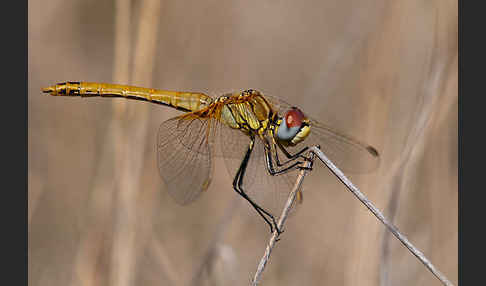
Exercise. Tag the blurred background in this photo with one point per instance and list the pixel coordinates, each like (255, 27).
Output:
(384, 71)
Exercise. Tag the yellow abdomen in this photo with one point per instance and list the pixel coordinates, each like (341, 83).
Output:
(186, 101)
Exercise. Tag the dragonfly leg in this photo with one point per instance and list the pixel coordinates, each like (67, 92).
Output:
(296, 165)
(305, 158)
(237, 186)
(289, 156)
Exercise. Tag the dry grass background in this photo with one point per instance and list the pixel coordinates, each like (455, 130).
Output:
(385, 71)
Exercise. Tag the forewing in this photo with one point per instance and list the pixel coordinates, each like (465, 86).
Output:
(184, 146)
(348, 153)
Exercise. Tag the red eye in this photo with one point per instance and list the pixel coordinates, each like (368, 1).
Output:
(294, 117)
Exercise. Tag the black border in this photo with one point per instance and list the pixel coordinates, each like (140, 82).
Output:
(471, 151)
(14, 140)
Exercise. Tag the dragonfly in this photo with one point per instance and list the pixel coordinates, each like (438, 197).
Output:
(262, 139)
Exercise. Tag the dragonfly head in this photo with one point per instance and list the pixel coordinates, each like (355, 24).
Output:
(293, 127)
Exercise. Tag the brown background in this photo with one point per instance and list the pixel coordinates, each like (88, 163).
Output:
(385, 71)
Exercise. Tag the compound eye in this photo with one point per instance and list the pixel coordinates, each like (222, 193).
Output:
(294, 117)
(290, 125)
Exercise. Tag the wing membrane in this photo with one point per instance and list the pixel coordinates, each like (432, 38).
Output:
(184, 156)
(346, 152)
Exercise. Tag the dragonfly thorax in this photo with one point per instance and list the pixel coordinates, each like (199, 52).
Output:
(246, 110)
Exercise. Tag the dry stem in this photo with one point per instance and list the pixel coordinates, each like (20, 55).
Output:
(100, 203)
(130, 233)
(393, 229)
(317, 151)
(281, 221)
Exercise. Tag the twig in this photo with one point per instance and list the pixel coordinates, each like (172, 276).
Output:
(315, 150)
(281, 221)
(129, 233)
(415, 146)
(122, 42)
(89, 251)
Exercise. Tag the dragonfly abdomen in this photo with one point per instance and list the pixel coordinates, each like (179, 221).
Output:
(186, 101)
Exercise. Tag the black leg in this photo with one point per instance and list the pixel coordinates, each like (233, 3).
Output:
(271, 169)
(296, 164)
(289, 156)
(237, 186)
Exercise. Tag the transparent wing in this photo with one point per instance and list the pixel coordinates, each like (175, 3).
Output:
(269, 192)
(347, 153)
(184, 156)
